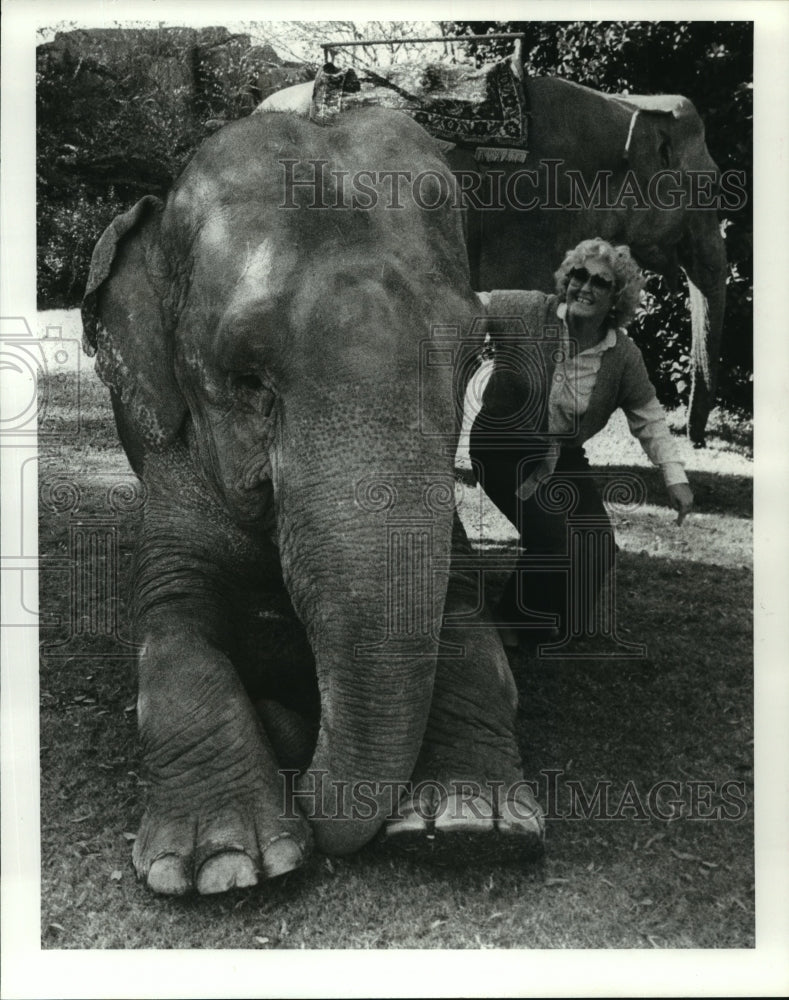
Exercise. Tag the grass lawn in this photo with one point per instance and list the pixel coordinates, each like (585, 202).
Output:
(644, 865)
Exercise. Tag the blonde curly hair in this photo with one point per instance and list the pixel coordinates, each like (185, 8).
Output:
(628, 279)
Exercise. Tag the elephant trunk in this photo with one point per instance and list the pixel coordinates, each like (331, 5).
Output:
(364, 515)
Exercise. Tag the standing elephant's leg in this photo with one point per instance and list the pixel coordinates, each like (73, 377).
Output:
(468, 787)
(215, 816)
(703, 256)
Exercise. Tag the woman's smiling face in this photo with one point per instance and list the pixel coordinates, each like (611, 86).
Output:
(590, 292)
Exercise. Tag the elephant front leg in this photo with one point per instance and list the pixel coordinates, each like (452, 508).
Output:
(215, 818)
(468, 796)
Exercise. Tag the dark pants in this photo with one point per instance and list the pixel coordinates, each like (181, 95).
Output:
(563, 525)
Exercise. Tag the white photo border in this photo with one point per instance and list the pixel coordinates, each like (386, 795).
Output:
(29, 971)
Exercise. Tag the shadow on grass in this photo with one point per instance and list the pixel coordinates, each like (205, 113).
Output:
(727, 430)
(714, 492)
(686, 703)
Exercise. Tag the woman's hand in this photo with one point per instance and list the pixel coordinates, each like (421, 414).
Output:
(680, 497)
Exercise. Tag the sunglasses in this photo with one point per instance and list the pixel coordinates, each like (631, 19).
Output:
(599, 283)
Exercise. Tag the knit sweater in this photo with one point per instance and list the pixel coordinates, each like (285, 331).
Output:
(527, 335)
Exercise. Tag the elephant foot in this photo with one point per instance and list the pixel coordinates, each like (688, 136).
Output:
(213, 851)
(466, 824)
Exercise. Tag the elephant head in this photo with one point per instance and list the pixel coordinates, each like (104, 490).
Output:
(265, 326)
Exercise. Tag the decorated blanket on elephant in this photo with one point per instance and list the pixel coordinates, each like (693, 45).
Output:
(485, 109)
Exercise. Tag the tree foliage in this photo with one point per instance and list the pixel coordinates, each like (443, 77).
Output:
(710, 62)
(119, 112)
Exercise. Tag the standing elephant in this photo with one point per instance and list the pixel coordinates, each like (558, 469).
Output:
(632, 170)
(657, 192)
(264, 358)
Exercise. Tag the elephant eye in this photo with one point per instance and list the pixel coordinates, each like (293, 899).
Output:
(252, 393)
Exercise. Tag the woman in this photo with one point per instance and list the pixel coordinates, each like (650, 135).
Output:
(563, 364)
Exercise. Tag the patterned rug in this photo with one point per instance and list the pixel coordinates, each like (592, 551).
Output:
(484, 109)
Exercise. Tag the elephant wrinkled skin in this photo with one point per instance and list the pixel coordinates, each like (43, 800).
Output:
(264, 368)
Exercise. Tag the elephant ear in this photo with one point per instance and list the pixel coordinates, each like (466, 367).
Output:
(126, 325)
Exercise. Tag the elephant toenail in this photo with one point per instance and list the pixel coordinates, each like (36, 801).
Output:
(226, 870)
(409, 822)
(167, 876)
(522, 817)
(282, 855)
(461, 815)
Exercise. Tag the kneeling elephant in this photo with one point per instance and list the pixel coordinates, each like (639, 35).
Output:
(293, 569)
